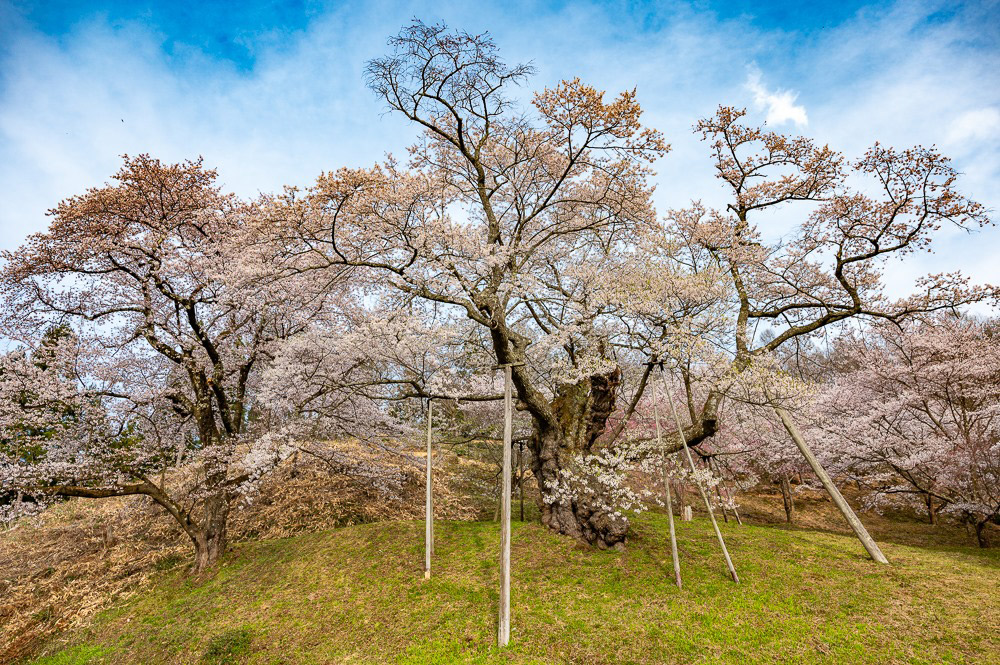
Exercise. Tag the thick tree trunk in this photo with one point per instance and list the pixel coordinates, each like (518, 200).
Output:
(931, 512)
(579, 517)
(786, 499)
(210, 541)
(582, 410)
(981, 537)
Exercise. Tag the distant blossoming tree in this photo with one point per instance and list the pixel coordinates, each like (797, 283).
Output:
(914, 416)
(172, 324)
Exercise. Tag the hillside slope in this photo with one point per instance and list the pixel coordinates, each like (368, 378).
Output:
(356, 595)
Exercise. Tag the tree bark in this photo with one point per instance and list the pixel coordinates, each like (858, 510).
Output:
(681, 493)
(931, 512)
(582, 410)
(786, 499)
(981, 536)
(520, 476)
(210, 541)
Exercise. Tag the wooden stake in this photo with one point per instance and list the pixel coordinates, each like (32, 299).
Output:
(701, 488)
(845, 509)
(503, 628)
(429, 501)
(666, 490)
(520, 475)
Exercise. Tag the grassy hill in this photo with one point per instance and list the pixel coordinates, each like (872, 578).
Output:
(357, 595)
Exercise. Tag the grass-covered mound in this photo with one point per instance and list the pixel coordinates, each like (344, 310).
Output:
(357, 595)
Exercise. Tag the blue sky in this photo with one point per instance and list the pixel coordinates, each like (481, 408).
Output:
(272, 93)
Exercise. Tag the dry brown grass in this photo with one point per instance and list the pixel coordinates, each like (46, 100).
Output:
(60, 568)
(815, 511)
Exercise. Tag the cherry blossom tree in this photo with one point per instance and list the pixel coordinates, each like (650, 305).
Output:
(532, 232)
(164, 289)
(914, 416)
(858, 217)
(495, 228)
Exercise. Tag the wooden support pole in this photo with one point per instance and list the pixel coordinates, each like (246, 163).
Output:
(429, 500)
(845, 509)
(666, 490)
(520, 475)
(736, 511)
(701, 488)
(503, 627)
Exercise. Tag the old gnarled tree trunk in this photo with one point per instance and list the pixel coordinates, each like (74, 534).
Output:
(582, 410)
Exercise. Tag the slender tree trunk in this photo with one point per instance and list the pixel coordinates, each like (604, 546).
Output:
(786, 499)
(681, 493)
(520, 476)
(931, 512)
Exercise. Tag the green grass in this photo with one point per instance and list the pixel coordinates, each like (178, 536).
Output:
(357, 595)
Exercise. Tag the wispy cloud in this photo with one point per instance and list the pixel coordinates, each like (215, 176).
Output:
(976, 125)
(779, 105)
(300, 107)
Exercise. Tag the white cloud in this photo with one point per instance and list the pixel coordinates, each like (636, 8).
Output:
(303, 108)
(779, 104)
(976, 125)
